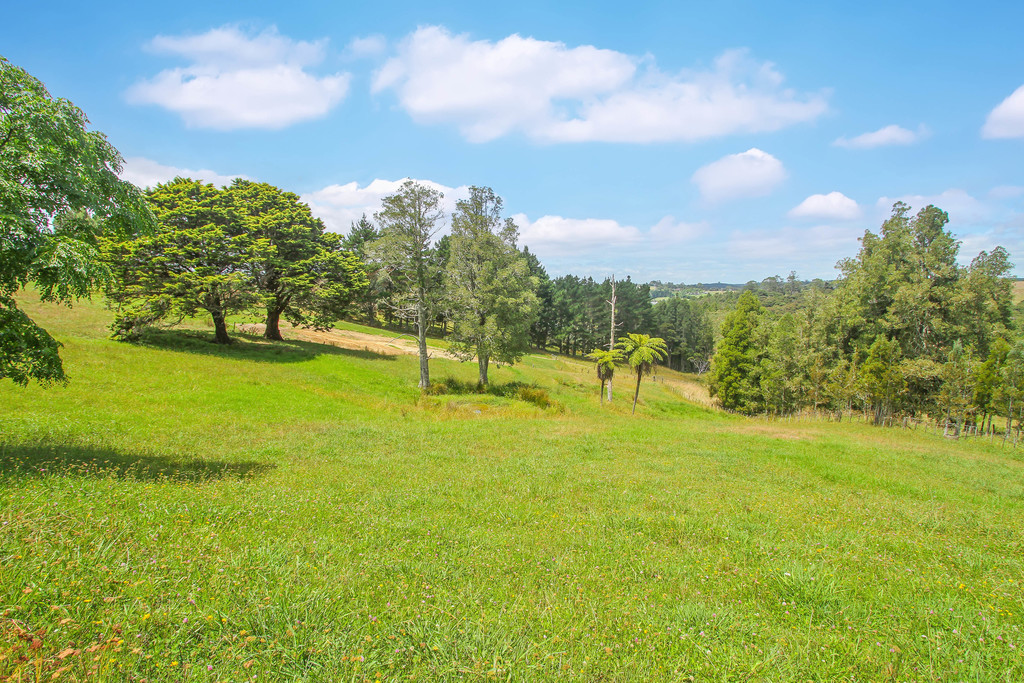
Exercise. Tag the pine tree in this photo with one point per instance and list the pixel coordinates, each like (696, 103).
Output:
(489, 289)
(735, 367)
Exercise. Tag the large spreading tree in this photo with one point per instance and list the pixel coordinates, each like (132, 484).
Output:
(59, 189)
(198, 260)
(305, 275)
(491, 294)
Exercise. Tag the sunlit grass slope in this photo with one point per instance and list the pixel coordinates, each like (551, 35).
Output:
(294, 511)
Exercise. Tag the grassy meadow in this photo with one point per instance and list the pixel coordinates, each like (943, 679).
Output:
(300, 512)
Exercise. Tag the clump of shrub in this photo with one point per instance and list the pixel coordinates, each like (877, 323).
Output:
(535, 395)
(514, 390)
(450, 385)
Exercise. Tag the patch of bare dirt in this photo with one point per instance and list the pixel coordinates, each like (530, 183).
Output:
(386, 343)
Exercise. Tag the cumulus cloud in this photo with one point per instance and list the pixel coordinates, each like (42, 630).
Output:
(884, 137)
(602, 246)
(670, 231)
(551, 92)
(1008, 234)
(341, 205)
(147, 173)
(236, 80)
(558, 235)
(832, 206)
(1007, 119)
(753, 173)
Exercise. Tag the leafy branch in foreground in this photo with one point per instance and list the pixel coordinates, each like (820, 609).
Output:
(59, 189)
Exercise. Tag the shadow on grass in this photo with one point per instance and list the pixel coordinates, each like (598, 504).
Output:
(59, 460)
(248, 347)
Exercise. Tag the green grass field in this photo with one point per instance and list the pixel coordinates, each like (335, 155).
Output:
(293, 511)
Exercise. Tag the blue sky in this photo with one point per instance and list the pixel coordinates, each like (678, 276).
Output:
(675, 141)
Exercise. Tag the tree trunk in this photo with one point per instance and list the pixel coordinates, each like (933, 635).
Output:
(273, 326)
(421, 338)
(611, 340)
(482, 359)
(637, 394)
(1009, 419)
(220, 329)
(602, 391)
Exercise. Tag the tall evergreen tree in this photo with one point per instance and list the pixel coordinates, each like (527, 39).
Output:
(542, 327)
(489, 287)
(959, 379)
(882, 378)
(735, 368)
(409, 221)
(685, 327)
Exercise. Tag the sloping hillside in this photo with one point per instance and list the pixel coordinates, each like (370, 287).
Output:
(300, 511)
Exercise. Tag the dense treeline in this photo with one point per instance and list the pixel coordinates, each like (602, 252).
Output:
(906, 333)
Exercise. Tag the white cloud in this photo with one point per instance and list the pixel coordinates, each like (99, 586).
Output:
(236, 80)
(753, 173)
(961, 206)
(831, 206)
(1007, 119)
(366, 46)
(1006, 192)
(884, 137)
(555, 235)
(147, 173)
(670, 231)
(602, 246)
(341, 205)
(554, 93)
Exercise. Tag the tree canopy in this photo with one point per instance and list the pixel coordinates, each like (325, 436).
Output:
(306, 274)
(59, 190)
(197, 260)
(604, 361)
(734, 370)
